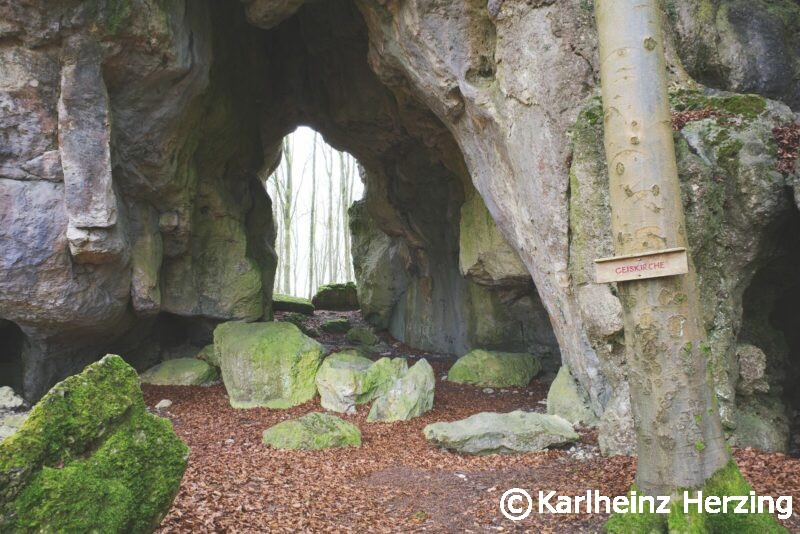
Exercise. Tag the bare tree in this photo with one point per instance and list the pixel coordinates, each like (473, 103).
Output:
(312, 230)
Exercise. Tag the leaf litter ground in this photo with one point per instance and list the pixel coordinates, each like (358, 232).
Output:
(396, 481)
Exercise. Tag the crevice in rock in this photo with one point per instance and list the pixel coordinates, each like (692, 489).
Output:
(12, 345)
(767, 400)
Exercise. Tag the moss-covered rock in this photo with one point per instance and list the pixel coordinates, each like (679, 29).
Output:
(180, 372)
(90, 458)
(336, 326)
(208, 355)
(501, 433)
(313, 431)
(566, 399)
(408, 396)
(341, 297)
(288, 303)
(362, 336)
(487, 368)
(346, 379)
(267, 364)
(727, 481)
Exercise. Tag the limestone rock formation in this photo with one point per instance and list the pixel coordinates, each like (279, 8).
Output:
(90, 458)
(313, 431)
(501, 433)
(137, 136)
(487, 368)
(408, 396)
(180, 372)
(267, 364)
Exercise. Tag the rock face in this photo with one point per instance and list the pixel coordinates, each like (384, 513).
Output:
(180, 372)
(137, 134)
(494, 369)
(267, 364)
(342, 297)
(90, 458)
(408, 396)
(313, 431)
(737, 207)
(566, 399)
(501, 433)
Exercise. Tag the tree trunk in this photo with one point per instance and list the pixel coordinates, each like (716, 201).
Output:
(679, 434)
(287, 218)
(313, 216)
(330, 245)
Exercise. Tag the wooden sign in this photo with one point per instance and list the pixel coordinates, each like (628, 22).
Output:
(667, 262)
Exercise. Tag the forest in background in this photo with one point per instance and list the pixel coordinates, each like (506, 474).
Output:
(311, 191)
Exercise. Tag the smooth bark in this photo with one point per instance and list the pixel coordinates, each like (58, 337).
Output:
(679, 434)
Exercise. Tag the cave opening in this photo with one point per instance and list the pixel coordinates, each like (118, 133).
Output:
(431, 265)
(12, 346)
(771, 322)
(312, 190)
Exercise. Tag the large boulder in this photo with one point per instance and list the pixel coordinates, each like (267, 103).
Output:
(501, 433)
(408, 396)
(288, 303)
(313, 431)
(208, 355)
(488, 368)
(90, 458)
(180, 372)
(346, 379)
(566, 399)
(267, 364)
(340, 297)
(336, 326)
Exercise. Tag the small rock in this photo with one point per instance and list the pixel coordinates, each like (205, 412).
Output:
(313, 431)
(163, 404)
(9, 400)
(488, 391)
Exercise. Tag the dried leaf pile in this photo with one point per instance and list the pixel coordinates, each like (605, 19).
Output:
(396, 481)
(788, 139)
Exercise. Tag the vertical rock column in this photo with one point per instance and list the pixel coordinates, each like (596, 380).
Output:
(84, 138)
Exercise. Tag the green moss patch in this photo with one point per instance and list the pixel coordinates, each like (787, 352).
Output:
(727, 481)
(292, 304)
(90, 458)
(313, 431)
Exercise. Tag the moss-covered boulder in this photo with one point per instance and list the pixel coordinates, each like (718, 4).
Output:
(180, 372)
(339, 297)
(336, 326)
(267, 364)
(313, 431)
(501, 433)
(566, 399)
(346, 379)
(409, 396)
(361, 335)
(90, 458)
(208, 355)
(292, 304)
(488, 368)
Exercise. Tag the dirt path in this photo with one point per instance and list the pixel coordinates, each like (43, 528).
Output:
(396, 481)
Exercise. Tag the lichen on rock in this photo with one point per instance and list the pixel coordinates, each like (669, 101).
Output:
(313, 431)
(494, 369)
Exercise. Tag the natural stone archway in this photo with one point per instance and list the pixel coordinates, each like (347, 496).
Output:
(454, 109)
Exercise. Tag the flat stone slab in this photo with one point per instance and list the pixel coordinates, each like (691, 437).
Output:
(180, 372)
(313, 431)
(292, 304)
(488, 368)
(502, 433)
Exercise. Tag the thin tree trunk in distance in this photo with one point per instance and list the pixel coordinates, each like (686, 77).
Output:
(287, 217)
(679, 434)
(313, 216)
